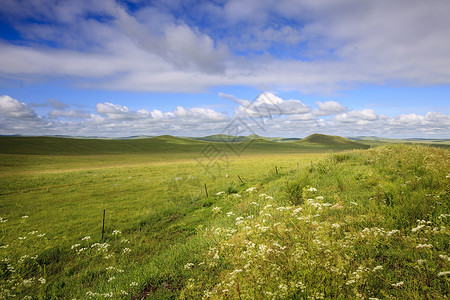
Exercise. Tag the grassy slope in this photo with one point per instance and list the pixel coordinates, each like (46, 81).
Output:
(24, 154)
(157, 206)
(69, 146)
(165, 144)
(370, 224)
(379, 141)
(170, 223)
(333, 142)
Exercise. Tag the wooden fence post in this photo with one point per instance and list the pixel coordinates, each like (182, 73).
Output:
(103, 227)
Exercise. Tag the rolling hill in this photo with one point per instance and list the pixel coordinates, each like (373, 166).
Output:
(170, 144)
(331, 142)
(378, 141)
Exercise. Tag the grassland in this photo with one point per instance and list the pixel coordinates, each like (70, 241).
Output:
(320, 225)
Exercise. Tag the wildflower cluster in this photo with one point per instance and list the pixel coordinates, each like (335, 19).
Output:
(325, 248)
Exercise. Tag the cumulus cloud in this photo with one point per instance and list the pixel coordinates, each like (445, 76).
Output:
(359, 116)
(329, 108)
(268, 104)
(12, 108)
(202, 113)
(118, 120)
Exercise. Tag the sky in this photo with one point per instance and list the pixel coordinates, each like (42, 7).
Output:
(279, 68)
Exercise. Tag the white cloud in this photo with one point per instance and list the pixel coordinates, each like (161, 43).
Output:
(12, 108)
(111, 109)
(331, 45)
(118, 120)
(329, 108)
(268, 104)
(364, 115)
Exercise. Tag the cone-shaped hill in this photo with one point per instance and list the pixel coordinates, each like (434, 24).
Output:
(331, 141)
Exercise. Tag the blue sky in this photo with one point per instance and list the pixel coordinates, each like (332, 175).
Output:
(189, 68)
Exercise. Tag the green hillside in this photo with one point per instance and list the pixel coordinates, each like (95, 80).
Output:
(330, 141)
(71, 146)
(364, 224)
(224, 138)
(379, 141)
(170, 144)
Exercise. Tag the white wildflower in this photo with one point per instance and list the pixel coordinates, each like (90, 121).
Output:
(86, 238)
(420, 246)
(421, 261)
(389, 233)
(126, 250)
(116, 232)
(28, 282)
(415, 229)
(215, 209)
(350, 282)
(311, 189)
(250, 189)
(443, 273)
(444, 257)
(42, 280)
(188, 266)
(229, 214)
(220, 193)
(377, 268)
(24, 217)
(398, 284)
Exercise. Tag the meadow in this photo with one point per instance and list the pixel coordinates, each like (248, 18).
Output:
(321, 225)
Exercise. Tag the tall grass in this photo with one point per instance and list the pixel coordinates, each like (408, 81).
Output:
(154, 212)
(363, 224)
(370, 225)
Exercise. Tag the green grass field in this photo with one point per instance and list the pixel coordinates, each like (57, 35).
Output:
(346, 225)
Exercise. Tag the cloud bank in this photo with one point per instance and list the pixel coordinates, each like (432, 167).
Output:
(279, 117)
(177, 46)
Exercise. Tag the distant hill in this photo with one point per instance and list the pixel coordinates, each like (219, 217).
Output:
(73, 146)
(378, 141)
(225, 138)
(234, 139)
(330, 141)
(170, 144)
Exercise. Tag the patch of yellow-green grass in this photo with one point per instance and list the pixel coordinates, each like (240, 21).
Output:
(51, 211)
